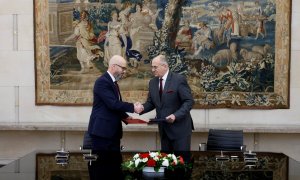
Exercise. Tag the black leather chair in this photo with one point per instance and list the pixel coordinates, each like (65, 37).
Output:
(225, 140)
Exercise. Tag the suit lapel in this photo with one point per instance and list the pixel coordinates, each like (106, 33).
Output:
(112, 84)
(157, 90)
(168, 82)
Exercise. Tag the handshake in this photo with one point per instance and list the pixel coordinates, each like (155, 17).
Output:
(138, 107)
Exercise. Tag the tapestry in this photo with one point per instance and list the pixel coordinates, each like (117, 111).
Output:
(234, 54)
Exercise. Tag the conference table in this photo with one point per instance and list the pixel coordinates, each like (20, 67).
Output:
(207, 165)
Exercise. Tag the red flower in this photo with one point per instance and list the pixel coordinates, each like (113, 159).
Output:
(155, 160)
(181, 160)
(163, 154)
(144, 155)
(151, 163)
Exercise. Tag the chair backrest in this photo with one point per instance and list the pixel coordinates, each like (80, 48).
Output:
(225, 140)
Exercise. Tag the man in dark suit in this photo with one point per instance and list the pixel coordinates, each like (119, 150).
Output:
(105, 126)
(170, 94)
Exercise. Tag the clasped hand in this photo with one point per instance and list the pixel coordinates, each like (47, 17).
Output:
(138, 107)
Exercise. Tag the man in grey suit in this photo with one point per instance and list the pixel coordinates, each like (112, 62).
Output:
(170, 94)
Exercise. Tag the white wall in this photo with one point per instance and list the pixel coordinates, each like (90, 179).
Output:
(17, 87)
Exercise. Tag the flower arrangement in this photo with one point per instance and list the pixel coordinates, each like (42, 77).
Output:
(155, 160)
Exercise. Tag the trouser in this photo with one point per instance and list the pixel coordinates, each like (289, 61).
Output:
(106, 167)
(108, 164)
(180, 147)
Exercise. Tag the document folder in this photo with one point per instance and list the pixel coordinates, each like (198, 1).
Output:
(155, 120)
(136, 121)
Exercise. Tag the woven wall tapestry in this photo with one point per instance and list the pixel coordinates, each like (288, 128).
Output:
(234, 54)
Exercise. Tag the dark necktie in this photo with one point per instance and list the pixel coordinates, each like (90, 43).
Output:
(160, 87)
(118, 89)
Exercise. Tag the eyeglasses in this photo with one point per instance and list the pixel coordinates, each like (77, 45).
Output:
(156, 67)
(122, 67)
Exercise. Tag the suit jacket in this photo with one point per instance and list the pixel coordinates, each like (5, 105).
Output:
(176, 99)
(108, 111)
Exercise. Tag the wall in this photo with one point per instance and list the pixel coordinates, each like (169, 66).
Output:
(17, 94)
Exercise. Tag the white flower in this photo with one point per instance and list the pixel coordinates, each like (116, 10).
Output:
(155, 158)
(145, 159)
(136, 162)
(165, 163)
(153, 154)
(174, 159)
(136, 156)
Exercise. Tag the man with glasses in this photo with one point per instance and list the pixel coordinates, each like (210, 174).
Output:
(105, 125)
(170, 94)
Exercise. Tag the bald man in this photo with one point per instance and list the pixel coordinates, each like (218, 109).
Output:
(105, 125)
(171, 97)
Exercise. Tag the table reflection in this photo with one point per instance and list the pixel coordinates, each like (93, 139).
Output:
(206, 166)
